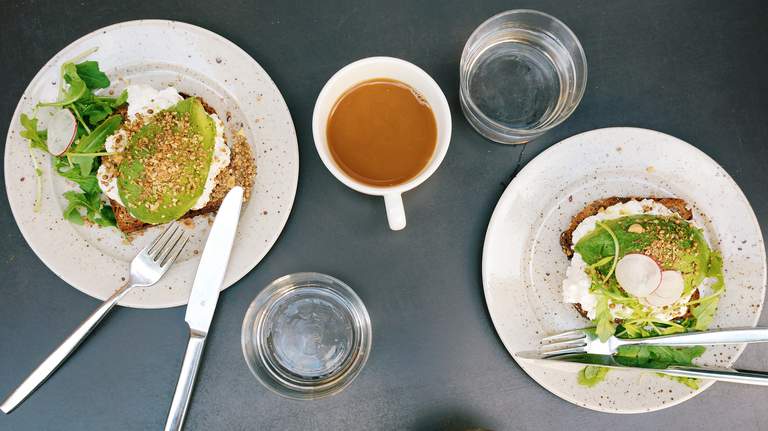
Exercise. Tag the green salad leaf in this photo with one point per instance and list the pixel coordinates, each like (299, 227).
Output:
(87, 203)
(96, 108)
(89, 206)
(88, 183)
(657, 356)
(94, 143)
(96, 122)
(91, 75)
(75, 90)
(37, 138)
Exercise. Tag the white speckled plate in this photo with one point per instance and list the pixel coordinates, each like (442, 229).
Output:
(523, 264)
(195, 61)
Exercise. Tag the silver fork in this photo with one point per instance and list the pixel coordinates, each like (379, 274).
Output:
(583, 341)
(145, 270)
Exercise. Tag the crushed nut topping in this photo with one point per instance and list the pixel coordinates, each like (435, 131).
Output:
(172, 158)
(240, 172)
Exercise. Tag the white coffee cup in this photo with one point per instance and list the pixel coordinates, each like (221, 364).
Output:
(389, 68)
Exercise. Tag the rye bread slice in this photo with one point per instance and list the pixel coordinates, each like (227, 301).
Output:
(676, 205)
(129, 224)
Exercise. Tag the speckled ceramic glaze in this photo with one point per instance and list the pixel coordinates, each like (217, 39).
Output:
(197, 62)
(523, 265)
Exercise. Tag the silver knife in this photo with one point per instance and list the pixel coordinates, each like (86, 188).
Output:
(203, 298)
(731, 375)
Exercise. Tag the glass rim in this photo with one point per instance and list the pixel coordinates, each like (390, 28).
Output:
(499, 128)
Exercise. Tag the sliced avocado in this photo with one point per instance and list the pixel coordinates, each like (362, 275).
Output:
(171, 198)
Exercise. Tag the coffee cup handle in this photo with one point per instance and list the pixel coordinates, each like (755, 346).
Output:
(395, 211)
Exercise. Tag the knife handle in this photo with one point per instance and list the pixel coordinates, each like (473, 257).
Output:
(722, 375)
(186, 382)
(716, 336)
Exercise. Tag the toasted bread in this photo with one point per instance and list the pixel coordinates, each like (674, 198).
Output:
(676, 205)
(129, 224)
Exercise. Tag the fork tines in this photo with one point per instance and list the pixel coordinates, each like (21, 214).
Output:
(566, 343)
(167, 246)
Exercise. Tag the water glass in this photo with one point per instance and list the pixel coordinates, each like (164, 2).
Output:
(522, 73)
(306, 336)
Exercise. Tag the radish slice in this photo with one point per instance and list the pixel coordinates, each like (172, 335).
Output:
(62, 130)
(669, 291)
(638, 274)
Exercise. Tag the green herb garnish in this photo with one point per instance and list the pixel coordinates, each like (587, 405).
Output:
(94, 114)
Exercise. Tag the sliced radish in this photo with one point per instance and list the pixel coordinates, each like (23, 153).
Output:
(638, 274)
(62, 130)
(669, 291)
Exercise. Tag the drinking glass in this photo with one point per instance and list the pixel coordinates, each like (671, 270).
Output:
(306, 336)
(522, 73)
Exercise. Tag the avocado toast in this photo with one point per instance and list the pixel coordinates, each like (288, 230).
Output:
(239, 171)
(641, 267)
(170, 160)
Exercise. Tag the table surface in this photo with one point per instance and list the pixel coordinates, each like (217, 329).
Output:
(694, 69)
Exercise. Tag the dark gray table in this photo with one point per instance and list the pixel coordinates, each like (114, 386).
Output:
(696, 70)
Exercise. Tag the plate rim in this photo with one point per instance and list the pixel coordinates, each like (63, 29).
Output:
(496, 218)
(232, 277)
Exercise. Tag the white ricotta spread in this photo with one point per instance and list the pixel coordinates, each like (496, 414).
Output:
(147, 101)
(577, 283)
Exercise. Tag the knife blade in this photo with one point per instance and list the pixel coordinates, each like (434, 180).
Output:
(730, 375)
(203, 299)
(213, 263)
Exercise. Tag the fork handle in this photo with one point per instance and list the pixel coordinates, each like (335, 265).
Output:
(186, 381)
(62, 352)
(720, 336)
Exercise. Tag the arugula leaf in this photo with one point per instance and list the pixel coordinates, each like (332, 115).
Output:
(94, 143)
(121, 99)
(87, 203)
(77, 87)
(107, 216)
(37, 138)
(591, 375)
(88, 183)
(657, 356)
(90, 206)
(97, 108)
(90, 73)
